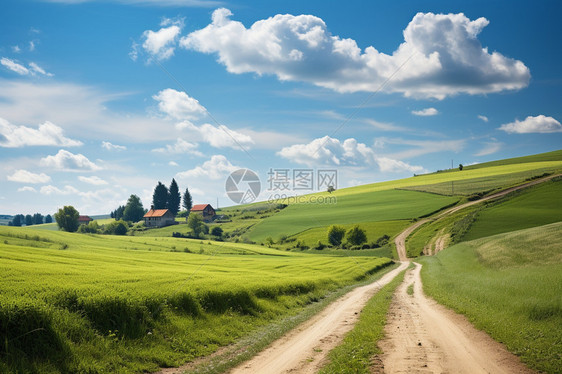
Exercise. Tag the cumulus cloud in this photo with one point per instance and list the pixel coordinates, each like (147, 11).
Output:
(53, 190)
(219, 137)
(180, 147)
(94, 180)
(12, 136)
(68, 161)
(425, 112)
(440, 56)
(159, 45)
(18, 68)
(24, 176)
(27, 189)
(179, 105)
(112, 147)
(539, 124)
(216, 168)
(329, 151)
(483, 118)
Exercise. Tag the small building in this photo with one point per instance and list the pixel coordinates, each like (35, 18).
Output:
(84, 220)
(206, 211)
(159, 218)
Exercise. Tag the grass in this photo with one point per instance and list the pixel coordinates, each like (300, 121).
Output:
(128, 304)
(354, 354)
(368, 207)
(535, 206)
(509, 285)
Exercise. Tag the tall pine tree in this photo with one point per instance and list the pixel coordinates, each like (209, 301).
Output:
(174, 198)
(187, 201)
(160, 196)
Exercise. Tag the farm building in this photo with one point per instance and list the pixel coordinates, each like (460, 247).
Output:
(159, 218)
(206, 211)
(84, 220)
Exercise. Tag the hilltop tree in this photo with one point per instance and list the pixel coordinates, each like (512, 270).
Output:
(187, 200)
(67, 218)
(356, 235)
(174, 198)
(48, 219)
(28, 220)
(160, 196)
(335, 235)
(461, 167)
(134, 211)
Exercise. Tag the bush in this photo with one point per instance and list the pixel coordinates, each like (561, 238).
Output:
(320, 246)
(335, 235)
(116, 228)
(217, 231)
(356, 236)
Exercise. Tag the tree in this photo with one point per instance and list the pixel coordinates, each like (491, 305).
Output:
(160, 196)
(48, 219)
(217, 231)
(195, 223)
(118, 213)
(335, 235)
(28, 220)
(330, 189)
(461, 167)
(37, 219)
(67, 218)
(17, 220)
(356, 236)
(134, 211)
(174, 198)
(187, 200)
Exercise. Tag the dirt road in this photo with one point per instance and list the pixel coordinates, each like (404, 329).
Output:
(304, 349)
(400, 240)
(424, 337)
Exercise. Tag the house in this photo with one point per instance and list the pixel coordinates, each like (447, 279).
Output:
(206, 211)
(84, 220)
(159, 218)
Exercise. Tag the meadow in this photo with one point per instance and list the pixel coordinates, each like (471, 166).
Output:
(509, 285)
(94, 303)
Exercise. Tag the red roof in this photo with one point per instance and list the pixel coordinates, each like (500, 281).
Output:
(156, 213)
(84, 219)
(200, 207)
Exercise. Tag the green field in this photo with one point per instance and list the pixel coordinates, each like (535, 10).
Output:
(93, 303)
(386, 205)
(509, 285)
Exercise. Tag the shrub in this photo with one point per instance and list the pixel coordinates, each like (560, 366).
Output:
(335, 235)
(217, 231)
(356, 236)
(320, 246)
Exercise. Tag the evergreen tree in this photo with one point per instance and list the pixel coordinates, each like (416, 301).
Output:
(28, 220)
(160, 196)
(134, 211)
(17, 220)
(48, 219)
(37, 219)
(118, 213)
(174, 198)
(187, 201)
(67, 218)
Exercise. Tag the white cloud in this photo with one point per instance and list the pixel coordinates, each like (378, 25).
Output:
(421, 147)
(111, 147)
(27, 189)
(12, 136)
(180, 147)
(216, 168)
(38, 69)
(173, 163)
(31, 46)
(440, 56)
(179, 105)
(24, 176)
(425, 112)
(95, 180)
(161, 44)
(329, 151)
(219, 137)
(68, 161)
(16, 49)
(483, 118)
(539, 124)
(489, 148)
(14, 66)
(52, 190)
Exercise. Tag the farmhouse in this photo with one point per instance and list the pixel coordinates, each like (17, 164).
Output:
(159, 218)
(205, 210)
(84, 220)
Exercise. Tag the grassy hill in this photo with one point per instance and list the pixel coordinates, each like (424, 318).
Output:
(509, 285)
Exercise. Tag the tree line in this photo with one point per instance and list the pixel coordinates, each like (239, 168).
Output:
(28, 220)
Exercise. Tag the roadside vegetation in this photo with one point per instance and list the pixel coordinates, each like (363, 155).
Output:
(509, 285)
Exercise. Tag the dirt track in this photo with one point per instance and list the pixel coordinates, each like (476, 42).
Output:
(424, 337)
(304, 349)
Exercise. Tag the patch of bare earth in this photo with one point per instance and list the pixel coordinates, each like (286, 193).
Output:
(425, 337)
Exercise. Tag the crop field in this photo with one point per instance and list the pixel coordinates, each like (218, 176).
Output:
(532, 207)
(125, 304)
(509, 285)
(386, 205)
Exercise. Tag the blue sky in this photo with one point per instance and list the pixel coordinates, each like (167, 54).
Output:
(102, 99)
